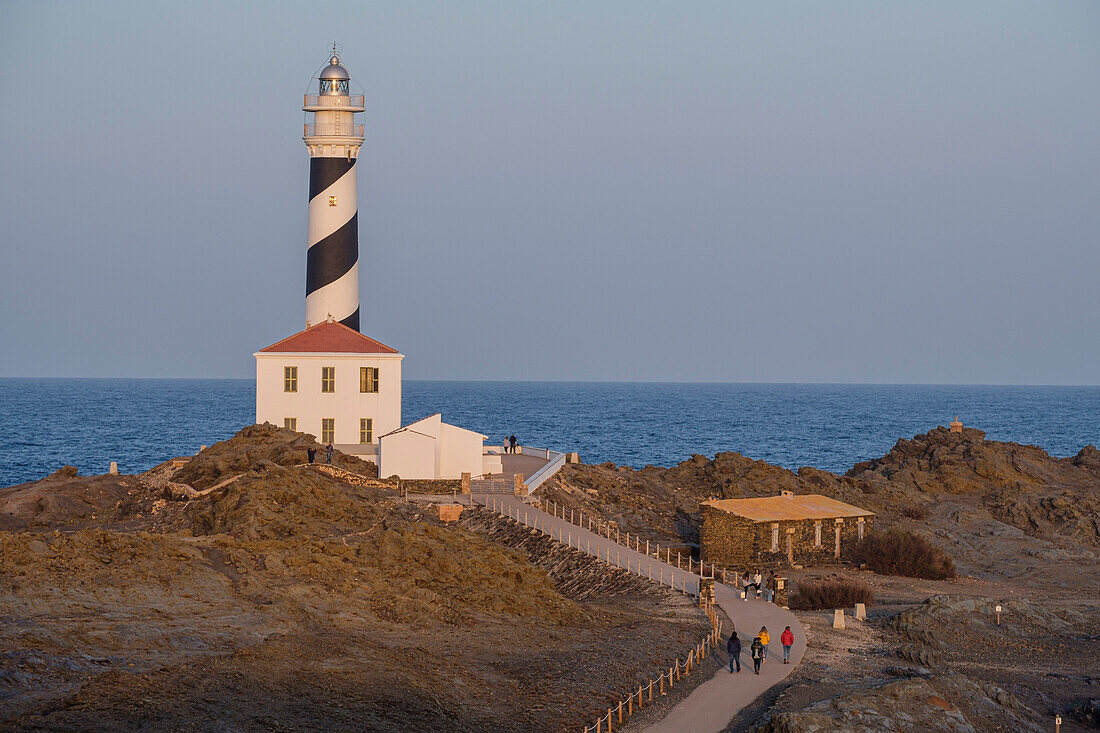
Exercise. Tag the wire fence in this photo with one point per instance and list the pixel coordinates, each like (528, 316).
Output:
(643, 695)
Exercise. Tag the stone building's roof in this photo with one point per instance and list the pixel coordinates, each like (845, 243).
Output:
(329, 337)
(788, 507)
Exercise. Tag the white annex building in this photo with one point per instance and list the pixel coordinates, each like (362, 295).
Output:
(331, 380)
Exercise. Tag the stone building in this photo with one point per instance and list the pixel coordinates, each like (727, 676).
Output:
(806, 529)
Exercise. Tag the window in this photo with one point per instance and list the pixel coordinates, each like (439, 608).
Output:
(368, 379)
(775, 538)
(366, 430)
(817, 534)
(334, 86)
(290, 423)
(328, 429)
(290, 379)
(328, 379)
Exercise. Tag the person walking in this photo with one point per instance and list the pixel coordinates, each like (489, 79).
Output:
(745, 585)
(504, 445)
(757, 581)
(311, 454)
(512, 442)
(757, 651)
(765, 639)
(787, 640)
(733, 646)
(328, 453)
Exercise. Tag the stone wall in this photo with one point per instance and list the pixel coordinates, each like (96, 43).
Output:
(737, 543)
(430, 486)
(726, 539)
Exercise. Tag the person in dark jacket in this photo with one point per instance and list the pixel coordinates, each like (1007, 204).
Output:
(311, 453)
(512, 443)
(757, 650)
(787, 640)
(733, 646)
(328, 452)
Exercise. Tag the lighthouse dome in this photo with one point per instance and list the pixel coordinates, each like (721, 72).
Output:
(333, 80)
(335, 70)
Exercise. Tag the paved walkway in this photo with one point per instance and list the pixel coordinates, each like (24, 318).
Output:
(518, 463)
(711, 705)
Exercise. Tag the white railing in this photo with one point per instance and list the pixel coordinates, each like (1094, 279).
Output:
(330, 100)
(334, 129)
(539, 477)
(613, 533)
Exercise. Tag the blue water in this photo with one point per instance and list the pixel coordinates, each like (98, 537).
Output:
(46, 423)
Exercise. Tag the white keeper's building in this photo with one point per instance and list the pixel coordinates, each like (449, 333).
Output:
(333, 382)
(330, 380)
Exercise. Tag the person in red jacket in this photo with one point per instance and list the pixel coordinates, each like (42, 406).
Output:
(787, 640)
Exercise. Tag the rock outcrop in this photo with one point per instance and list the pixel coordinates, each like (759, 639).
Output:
(956, 486)
(256, 443)
(914, 705)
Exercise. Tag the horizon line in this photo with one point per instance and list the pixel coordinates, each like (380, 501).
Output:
(600, 381)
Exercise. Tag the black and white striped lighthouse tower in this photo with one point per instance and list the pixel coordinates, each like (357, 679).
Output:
(333, 139)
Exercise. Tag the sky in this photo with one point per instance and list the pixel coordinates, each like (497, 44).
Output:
(669, 191)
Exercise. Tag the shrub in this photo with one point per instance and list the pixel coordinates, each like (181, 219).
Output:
(833, 592)
(894, 552)
(914, 511)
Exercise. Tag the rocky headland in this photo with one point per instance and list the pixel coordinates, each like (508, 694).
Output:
(238, 590)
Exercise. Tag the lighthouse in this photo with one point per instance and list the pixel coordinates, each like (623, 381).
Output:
(333, 137)
(329, 379)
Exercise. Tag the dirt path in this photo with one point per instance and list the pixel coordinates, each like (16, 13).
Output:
(713, 704)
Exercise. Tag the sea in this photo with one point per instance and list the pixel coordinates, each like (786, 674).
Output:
(87, 423)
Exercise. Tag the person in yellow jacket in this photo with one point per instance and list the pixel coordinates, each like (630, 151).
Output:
(764, 639)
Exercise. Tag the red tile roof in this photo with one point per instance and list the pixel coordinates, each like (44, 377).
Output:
(329, 337)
